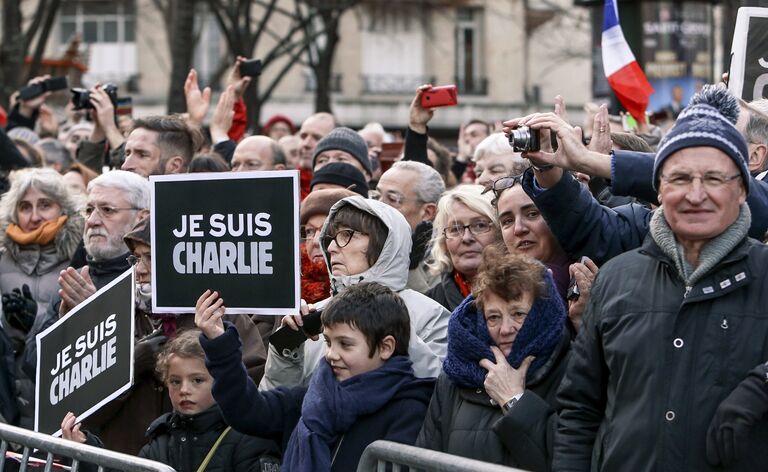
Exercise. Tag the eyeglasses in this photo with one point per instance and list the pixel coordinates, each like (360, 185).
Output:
(342, 237)
(476, 228)
(501, 184)
(105, 211)
(391, 198)
(309, 233)
(133, 259)
(708, 180)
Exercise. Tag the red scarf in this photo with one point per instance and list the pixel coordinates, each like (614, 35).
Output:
(315, 282)
(464, 286)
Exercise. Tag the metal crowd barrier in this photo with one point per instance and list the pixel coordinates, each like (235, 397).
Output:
(380, 455)
(79, 453)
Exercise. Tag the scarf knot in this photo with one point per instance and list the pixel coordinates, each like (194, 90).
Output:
(469, 340)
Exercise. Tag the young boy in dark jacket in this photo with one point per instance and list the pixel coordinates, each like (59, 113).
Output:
(364, 391)
(194, 437)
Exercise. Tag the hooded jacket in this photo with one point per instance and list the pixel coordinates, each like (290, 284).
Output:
(429, 319)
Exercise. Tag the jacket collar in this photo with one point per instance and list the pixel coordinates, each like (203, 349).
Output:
(731, 273)
(107, 269)
(207, 420)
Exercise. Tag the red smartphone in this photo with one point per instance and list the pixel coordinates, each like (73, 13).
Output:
(442, 96)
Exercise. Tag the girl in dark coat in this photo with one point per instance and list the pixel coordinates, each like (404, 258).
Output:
(186, 439)
(507, 351)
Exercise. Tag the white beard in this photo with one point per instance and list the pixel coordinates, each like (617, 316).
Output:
(144, 297)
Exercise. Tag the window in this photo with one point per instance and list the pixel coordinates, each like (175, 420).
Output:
(98, 21)
(468, 51)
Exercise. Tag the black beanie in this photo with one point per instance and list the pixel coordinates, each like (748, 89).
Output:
(343, 174)
(347, 140)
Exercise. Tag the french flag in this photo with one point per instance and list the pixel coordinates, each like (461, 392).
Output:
(621, 69)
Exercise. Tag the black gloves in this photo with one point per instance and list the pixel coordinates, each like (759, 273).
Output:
(729, 431)
(145, 352)
(20, 308)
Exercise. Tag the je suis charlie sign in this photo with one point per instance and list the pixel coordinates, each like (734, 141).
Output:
(85, 359)
(233, 232)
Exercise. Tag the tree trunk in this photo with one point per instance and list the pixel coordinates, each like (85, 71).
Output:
(324, 68)
(182, 49)
(47, 26)
(11, 50)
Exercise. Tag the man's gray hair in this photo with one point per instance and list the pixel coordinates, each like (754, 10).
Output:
(278, 156)
(430, 185)
(54, 152)
(756, 130)
(135, 187)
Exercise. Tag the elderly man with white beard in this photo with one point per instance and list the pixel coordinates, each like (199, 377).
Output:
(116, 201)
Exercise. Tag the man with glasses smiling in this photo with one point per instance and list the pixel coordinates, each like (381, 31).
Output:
(672, 328)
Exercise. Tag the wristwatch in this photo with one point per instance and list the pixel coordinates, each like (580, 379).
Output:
(508, 406)
(542, 168)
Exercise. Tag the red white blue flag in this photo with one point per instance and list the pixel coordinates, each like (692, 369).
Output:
(621, 69)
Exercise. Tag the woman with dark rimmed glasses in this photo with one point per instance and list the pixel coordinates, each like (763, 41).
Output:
(465, 224)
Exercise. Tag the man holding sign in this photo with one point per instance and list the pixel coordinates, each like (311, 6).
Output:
(86, 358)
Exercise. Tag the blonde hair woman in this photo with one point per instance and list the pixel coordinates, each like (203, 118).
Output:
(465, 224)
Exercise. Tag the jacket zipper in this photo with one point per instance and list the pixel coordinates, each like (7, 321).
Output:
(338, 446)
(724, 350)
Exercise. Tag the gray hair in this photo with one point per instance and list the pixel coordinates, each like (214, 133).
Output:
(497, 144)
(278, 156)
(756, 130)
(47, 181)
(54, 152)
(473, 197)
(135, 187)
(430, 186)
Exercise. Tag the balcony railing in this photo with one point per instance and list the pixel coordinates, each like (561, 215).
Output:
(389, 84)
(310, 84)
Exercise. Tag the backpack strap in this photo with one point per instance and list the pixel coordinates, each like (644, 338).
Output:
(213, 450)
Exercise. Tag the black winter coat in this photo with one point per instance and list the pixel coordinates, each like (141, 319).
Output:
(653, 361)
(468, 423)
(183, 442)
(446, 292)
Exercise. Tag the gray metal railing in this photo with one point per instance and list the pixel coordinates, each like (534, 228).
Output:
(79, 453)
(380, 454)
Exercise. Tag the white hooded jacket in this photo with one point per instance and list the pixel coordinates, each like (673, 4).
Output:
(429, 319)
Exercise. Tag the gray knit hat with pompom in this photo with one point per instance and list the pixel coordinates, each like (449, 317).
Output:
(708, 120)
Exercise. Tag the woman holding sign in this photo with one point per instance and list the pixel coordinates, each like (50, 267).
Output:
(41, 229)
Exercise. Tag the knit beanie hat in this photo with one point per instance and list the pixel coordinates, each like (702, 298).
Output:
(140, 234)
(320, 202)
(343, 174)
(278, 119)
(347, 140)
(708, 120)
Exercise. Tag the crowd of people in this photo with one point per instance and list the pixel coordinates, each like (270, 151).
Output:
(595, 304)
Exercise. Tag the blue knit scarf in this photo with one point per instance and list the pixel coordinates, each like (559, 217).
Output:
(469, 340)
(331, 407)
